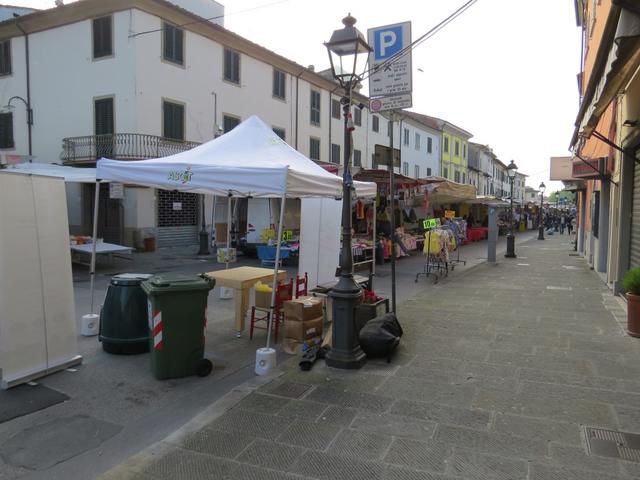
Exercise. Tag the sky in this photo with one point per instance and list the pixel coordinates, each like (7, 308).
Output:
(505, 70)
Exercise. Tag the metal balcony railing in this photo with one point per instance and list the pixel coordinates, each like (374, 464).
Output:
(119, 146)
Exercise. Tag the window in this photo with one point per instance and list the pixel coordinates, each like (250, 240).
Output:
(315, 107)
(416, 171)
(405, 169)
(456, 148)
(6, 130)
(456, 176)
(231, 66)
(417, 141)
(375, 123)
(374, 162)
(335, 108)
(429, 144)
(314, 148)
(229, 123)
(357, 116)
(102, 37)
(357, 158)
(5, 57)
(464, 177)
(406, 136)
(428, 172)
(279, 84)
(335, 153)
(280, 132)
(446, 145)
(446, 172)
(464, 150)
(173, 49)
(389, 127)
(173, 115)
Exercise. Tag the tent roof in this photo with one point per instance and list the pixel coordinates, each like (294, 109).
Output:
(382, 177)
(445, 191)
(69, 174)
(249, 161)
(489, 201)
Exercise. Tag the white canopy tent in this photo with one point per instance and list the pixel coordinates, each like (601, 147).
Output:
(249, 161)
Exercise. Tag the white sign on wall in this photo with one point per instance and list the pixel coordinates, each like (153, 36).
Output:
(116, 190)
(177, 205)
(395, 77)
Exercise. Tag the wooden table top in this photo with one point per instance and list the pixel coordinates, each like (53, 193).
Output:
(242, 277)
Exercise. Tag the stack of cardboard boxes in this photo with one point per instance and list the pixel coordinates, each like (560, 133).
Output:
(303, 320)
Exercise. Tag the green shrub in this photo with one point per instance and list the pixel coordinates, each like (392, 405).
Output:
(631, 281)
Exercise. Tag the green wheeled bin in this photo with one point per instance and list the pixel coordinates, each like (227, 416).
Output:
(124, 326)
(177, 318)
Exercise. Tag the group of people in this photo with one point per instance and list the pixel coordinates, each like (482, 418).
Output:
(559, 221)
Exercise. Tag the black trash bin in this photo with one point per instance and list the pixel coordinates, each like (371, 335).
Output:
(124, 319)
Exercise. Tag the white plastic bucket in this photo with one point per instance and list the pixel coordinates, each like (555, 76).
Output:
(89, 325)
(265, 360)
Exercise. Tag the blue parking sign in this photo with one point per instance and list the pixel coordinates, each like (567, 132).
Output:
(387, 42)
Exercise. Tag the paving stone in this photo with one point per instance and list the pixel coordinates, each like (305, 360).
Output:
(581, 393)
(339, 380)
(448, 394)
(303, 409)
(550, 340)
(287, 389)
(334, 467)
(396, 425)
(617, 369)
(474, 465)
(419, 455)
(576, 457)
(250, 423)
(538, 429)
(499, 444)
(362, 445)
(250, 472)
(629, 418)
(488, 370)
(536, 405)
(336, 415)
(181, 463)
(550, 472)
(366, 401)
(576, 366)
(270, 455)
(397, 473)
(217, 443)
(425, 363)
(568, 379)
(310, 435)
(257, 402)
(611, 345)
(442, 413)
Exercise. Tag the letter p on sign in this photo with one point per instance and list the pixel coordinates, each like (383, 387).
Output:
(387, 42)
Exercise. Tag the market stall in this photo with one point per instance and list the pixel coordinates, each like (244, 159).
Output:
(251, 161)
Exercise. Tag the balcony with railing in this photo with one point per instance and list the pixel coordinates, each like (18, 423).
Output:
(119, 146)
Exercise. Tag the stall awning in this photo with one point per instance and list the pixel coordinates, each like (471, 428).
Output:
(488, 201)
(381, 177)
(442, 191)
(617, 60)
(69, 174)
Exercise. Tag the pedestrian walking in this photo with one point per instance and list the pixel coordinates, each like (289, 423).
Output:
(563, 219)
(569, 225)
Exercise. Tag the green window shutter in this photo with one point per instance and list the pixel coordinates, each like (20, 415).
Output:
(6, 130)
(104, 124)
(102, 41)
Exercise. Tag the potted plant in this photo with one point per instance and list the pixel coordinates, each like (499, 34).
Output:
(631, 285)
(371, 307)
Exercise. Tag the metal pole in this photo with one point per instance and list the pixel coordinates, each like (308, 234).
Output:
(392, 190)
(345, 351)
(228, 229)
(203, 235)
(510, 237)
(540, 220)
(213, 221)
(96, 200)
(274, 283)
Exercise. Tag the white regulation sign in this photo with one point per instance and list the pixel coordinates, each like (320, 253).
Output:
(392, 102)
(395, 77)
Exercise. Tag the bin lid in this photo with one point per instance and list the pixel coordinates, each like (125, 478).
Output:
(159, 284)
(130, 278)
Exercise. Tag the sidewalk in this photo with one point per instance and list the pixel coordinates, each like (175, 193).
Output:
(497, 375)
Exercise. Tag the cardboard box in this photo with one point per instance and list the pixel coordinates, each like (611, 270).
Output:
(263, 299)
(303, 330)
(303, 308)
(295, 347)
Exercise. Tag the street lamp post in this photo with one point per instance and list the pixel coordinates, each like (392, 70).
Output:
(511, 240)
(29, 117)
(540, 218)
(348, 54)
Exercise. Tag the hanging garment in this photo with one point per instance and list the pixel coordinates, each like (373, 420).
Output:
(359, 210)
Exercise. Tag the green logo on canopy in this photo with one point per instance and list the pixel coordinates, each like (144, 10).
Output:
(180, 176)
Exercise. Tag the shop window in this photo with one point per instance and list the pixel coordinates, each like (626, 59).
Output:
(429, 144)
(173, 48)
(5, 57)
(231, 66)
(6, 130)
(279, 84)
(357, 158)
(315, 108)
(173, 116)
(314, 148)
(375, 123)
(335, 153)
(102, 37)
(357, 117)
(229, 123)
(335, 108)
(280, 132)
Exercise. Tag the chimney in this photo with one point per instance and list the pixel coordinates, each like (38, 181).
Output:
(312, 68)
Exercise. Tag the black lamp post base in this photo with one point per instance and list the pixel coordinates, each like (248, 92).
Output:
(511, 243)
(540, 232)
(345, 350)
(204, 243)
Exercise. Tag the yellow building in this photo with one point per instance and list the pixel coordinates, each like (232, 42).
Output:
(455, 153)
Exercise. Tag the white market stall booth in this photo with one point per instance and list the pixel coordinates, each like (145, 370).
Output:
(251, 161)
(38, 333)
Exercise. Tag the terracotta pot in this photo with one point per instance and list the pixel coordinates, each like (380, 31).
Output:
(633, 315)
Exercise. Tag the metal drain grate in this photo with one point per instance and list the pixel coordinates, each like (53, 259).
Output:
(614, 444)
(290, 389)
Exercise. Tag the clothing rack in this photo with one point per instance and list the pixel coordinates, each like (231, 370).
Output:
(459, 228)
(436, 261)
